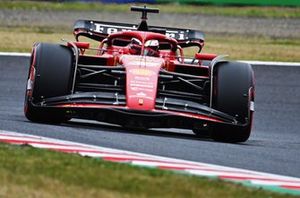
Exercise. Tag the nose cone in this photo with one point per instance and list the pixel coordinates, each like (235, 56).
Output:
(141, 81)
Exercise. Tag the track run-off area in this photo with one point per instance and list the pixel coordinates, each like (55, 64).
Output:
(272, 148)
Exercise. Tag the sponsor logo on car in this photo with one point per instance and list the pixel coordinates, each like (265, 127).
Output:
(142, 72)
(110, 29)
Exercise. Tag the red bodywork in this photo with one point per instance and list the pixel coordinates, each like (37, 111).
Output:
(141, 81)
(142, 72)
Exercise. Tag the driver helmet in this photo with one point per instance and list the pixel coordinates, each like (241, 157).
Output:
(135, 46)
(151, 48)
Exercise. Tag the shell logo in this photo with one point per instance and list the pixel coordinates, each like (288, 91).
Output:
(142, 72)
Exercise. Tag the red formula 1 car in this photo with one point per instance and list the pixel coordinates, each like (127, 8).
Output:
(138, 77)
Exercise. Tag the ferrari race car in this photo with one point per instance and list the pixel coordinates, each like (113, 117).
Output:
(138, 77)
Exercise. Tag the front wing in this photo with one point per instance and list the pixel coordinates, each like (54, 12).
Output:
(110, 108)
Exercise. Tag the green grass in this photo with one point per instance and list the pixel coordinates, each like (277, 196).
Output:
(247, 11)
(254, 47)
(29, 172)
(238, 47)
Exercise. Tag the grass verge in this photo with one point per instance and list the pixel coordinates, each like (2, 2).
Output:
(29, 172)
(236, 46)
(247, 11)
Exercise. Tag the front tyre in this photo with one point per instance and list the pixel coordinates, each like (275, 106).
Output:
(233, 93)
(50, 74)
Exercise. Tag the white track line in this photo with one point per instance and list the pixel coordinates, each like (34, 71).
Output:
(15, 54)
(262, 63)
(271, 63)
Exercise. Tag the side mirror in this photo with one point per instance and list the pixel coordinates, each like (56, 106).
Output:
(205, 56)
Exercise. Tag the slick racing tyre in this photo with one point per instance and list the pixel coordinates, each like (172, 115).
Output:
(233, 93)
(50, 74)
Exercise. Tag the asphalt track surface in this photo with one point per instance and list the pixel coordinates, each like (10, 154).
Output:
(273, 146)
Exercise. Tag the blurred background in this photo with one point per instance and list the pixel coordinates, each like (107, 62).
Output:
(199, 2)
(244, 29)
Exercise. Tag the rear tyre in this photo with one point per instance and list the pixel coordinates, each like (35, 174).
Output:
(233, 91)
(50, 74)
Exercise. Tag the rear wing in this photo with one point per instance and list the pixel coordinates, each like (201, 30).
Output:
(99, 30)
